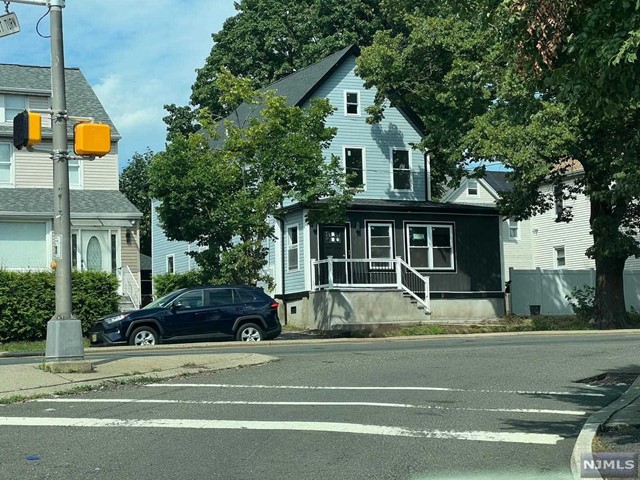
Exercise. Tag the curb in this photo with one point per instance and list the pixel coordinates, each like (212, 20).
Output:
(283, 342)
(595, 424)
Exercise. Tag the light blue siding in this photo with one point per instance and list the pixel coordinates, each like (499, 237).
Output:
(394, 131)
(161, 247)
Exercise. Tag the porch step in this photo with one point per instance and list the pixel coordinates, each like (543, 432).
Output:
(125, 304)
(415, 303)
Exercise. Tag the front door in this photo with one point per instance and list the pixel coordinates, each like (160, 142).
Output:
(333, 243)
(95, 251)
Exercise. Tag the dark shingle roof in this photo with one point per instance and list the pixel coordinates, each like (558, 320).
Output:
(81, 99)
(39, 202)
(299, 86)
(498, 181)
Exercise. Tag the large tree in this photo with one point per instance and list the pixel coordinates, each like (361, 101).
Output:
(537, 85)
(269, 39)
(221, 192)
(134, 183)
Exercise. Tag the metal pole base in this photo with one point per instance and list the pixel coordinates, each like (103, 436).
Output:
(64, 340)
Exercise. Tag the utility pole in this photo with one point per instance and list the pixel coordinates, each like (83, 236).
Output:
(64, 332)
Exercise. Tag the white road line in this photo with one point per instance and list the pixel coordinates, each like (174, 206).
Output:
(331, 427)
(313, 387)
(304, 404)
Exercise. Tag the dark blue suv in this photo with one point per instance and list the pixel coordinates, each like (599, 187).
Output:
(198, 313)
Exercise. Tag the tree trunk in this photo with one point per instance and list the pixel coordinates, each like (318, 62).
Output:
(609, 307)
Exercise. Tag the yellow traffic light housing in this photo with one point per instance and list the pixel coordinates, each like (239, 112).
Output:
(91, 139)
(27, 129)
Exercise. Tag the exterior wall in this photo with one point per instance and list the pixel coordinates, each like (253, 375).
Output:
(516, 253)
(162, 247)
(547, 289)
(130, 251)
(472, 234)
(335, 309)
(377, 140)
(101, 173)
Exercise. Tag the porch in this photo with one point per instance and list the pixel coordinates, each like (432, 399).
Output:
(368, 274)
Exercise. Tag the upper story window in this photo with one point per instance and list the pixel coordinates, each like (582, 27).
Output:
(472, 186)
(430, 247)
(10, 106)
(292, 248)
(352, 103)
(354, 165)
(401, 169)
(75, 177)
(171, 268)
(6, 164)
(514, 228)
(558, 199)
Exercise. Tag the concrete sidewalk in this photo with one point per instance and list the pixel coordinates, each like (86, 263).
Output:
(27, 381)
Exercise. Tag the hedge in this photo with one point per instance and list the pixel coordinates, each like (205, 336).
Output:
(27, 301)
(168, 282)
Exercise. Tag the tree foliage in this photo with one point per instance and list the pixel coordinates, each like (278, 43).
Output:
(134, 184)
(220, 192)
(536, 85)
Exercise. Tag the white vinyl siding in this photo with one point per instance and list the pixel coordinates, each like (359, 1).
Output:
(430, 247)
(23, 245)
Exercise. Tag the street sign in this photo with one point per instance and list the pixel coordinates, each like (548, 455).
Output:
(9, 24)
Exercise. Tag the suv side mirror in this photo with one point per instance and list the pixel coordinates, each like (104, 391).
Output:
(176, 306)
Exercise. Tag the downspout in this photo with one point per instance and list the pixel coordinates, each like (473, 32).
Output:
(427, 161)
(282, 266)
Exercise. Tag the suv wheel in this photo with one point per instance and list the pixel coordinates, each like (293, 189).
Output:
(143, 336)
(250, 332)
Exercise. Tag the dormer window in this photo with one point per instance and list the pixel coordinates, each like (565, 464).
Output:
(472, 186)
(352, 103)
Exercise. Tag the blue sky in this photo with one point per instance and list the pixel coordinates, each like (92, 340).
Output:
(137, 55)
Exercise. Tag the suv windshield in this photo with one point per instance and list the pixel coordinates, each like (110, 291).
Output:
(163, 301)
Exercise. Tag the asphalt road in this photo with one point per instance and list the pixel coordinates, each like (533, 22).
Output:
(500, 407)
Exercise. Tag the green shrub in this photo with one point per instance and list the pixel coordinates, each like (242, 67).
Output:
(168, 282)
(27, 301)
(581, 301)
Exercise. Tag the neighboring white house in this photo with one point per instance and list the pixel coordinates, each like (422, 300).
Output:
(104, 224)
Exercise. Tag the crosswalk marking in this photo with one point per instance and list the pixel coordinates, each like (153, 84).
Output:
(330, 427)
(314, 387)
(319, 404)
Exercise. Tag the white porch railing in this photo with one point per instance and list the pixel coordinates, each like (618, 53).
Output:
(368, 273)
(130, 287)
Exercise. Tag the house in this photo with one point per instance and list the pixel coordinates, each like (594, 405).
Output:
(400, 257)
(544, 259)
(516, 237)
(104, 224)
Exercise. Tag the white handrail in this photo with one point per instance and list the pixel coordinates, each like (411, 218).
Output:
(130, 286)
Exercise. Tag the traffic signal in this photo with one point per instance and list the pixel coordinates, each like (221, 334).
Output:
(27, 129)
(91, 139)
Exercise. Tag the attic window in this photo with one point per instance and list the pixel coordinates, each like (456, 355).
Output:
(352, 103)
(472, 186)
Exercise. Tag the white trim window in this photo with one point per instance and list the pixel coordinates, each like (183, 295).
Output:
(560, 256)
(430, 247)
(6, 165)
(75, 173)
(351, 103)
(514, 228)
(380, 243)
(171, 263)
(401, 165)
(293, 252)
(354, 164)
(472, 187)
(10, 106)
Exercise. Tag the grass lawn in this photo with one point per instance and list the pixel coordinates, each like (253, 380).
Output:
(35, 346)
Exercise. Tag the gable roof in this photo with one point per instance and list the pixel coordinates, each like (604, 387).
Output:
(299, 86)
(498, 181)
(82, 101)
